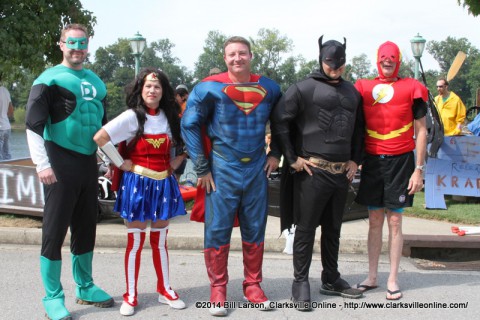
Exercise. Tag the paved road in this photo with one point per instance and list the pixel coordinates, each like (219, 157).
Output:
(22, 291)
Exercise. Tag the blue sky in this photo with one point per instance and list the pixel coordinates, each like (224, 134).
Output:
(366, 24)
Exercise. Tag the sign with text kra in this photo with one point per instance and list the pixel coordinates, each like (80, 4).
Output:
(455, 171)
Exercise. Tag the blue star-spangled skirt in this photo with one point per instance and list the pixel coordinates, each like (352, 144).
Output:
(140, 198)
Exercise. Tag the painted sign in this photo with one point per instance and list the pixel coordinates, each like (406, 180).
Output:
(455, 171)
(20, 189)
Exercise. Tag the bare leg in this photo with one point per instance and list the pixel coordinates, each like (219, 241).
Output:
(395, 238)
(375, 219)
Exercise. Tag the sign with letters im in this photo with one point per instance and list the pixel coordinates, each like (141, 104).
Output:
(20, 188)
(455, 171)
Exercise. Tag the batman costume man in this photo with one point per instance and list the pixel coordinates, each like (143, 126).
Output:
(319, 125)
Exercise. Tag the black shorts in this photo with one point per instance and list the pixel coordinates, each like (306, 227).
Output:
(384, 181)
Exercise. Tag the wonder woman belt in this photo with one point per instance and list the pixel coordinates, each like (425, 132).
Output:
(149, 173)
(332, 167)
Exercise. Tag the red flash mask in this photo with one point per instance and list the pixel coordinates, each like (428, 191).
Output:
(390, 51)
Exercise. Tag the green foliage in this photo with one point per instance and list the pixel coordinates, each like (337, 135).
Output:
(212, 56)
(115, 100)
(473, 82)
(360, 68)
(305, 68)
(115, 63)
(457, 212)
(19, 92)
(287, 73)
(31, 28)
(268, 49)
(19, 116)
(473, 6)
(159, 55)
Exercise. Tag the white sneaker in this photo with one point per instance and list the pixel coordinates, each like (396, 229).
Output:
(126, 309)
(218, 311)
(175, 304)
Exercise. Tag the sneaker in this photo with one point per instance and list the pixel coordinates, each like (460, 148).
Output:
(341, 288)
(126, 309)
(218, 311)
(175, 304)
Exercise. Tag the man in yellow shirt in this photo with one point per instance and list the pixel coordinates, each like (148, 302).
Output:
(451, 109)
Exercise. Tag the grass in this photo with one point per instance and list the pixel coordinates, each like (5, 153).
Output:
(457, 211)
(189, 204)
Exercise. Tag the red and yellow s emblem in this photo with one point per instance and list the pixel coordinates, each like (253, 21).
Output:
(245, 97)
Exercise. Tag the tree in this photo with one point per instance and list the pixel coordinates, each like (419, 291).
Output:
(115, 65)
(360, 68)
(31, 28)
(159, 55)
(115, 100)
(20, 90)
(306, 67)
(212, 56)
(473, 6)
(268, 50)
(287, 72)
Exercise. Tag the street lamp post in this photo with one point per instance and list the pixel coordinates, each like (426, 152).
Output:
(138, 45)
(418, 45)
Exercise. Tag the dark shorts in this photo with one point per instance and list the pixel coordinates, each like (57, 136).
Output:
(384, 181)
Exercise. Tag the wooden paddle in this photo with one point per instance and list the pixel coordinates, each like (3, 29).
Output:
(456, 64)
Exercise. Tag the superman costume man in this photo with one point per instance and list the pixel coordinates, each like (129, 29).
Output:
(234, 108)
(395, 110)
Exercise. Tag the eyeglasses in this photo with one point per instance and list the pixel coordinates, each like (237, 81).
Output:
(440, 86)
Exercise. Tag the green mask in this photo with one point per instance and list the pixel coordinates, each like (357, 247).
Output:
(77, 43)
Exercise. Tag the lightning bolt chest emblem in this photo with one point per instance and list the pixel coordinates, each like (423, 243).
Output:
(382, 93)
(245, 97)
(156, 143)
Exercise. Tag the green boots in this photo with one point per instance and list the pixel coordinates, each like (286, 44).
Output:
(86, 291)
(54, 300)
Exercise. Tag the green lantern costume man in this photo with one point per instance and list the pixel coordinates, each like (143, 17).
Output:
(65, 109)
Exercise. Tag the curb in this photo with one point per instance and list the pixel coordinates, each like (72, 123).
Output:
(116, 239)
(348, 244)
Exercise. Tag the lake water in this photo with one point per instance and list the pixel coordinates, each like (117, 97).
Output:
(18, 144)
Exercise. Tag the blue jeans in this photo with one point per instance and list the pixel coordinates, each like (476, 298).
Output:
(4, 146)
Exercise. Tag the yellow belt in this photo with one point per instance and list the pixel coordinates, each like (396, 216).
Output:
(332, 167)
(152, 174)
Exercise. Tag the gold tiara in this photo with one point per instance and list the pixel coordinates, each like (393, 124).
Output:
(152, 77)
